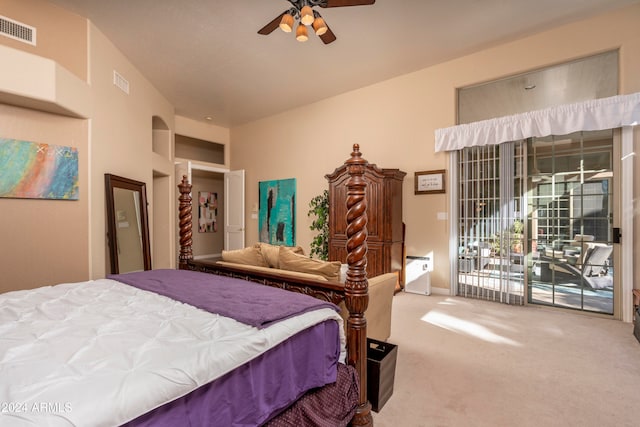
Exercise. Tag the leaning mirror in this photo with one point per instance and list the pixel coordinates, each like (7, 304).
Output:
(127, 224)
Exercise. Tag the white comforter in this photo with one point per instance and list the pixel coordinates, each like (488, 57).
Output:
(101, 353)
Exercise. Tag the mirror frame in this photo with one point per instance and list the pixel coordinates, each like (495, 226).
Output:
(112, 182)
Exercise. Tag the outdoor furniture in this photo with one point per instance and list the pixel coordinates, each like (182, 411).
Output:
(590, 268)
(572, 249)
(475, 257)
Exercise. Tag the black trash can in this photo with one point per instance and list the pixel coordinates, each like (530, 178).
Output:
(381, 372)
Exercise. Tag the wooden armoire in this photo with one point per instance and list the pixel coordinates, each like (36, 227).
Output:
(384, 219)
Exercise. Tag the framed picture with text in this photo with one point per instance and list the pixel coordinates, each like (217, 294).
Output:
(430, 182)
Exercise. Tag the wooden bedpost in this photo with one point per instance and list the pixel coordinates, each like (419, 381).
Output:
(356, 285)
(186, 254)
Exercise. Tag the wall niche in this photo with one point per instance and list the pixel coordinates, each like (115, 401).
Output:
(199, 150)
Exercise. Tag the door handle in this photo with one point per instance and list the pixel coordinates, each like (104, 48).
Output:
(617, 235)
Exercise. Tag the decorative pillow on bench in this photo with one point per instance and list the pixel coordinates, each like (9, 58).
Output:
(271, 253)
(248, 256)
(291, 261)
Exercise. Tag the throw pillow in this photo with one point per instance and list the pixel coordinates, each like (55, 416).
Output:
(250, 255)
(295, 262)
(271, 253)
(296, 249)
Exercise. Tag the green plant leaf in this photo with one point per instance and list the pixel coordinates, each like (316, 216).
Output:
(319, 207)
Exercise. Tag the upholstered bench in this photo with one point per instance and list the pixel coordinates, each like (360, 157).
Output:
(291, 262)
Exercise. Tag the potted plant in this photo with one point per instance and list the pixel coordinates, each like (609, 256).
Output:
(517, 230)
(319, 207)
(509, 240)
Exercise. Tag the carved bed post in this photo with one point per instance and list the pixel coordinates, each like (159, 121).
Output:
(186, 254)
(356, 285)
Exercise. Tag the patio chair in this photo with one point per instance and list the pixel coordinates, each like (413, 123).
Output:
(590, 269)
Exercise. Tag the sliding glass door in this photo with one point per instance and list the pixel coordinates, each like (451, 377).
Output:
(535, 219)
(491, 226)
(570, 215)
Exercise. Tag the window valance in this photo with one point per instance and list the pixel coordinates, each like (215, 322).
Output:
(595, 114)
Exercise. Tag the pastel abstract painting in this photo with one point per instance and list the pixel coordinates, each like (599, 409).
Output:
(30, 170)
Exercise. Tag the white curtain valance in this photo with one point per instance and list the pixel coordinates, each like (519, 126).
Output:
(595, 114)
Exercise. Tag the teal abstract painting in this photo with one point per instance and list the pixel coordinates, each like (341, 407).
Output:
(30, 170)
(277, 213)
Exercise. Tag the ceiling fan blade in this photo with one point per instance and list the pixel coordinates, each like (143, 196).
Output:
(342, 3)
(328, 36)
(268, 29)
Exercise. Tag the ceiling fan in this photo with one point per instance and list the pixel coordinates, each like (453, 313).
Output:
(303, 12)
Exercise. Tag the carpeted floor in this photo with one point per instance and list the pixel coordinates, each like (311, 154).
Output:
(474, 363)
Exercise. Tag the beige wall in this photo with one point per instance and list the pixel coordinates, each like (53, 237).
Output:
(206, 132)
(60, 35)
(116, 138)
(44, 242)
(121, 135)
(394, 123)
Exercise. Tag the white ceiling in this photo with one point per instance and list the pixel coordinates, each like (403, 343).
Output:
(206, 57)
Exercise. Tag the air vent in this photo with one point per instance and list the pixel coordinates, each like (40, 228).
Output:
(120, 82)
(17, 30)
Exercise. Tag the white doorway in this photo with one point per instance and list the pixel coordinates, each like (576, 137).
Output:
(234, 225)
(228, 187)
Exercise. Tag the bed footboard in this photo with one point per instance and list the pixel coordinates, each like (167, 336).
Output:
(354, 292)
(327, 291)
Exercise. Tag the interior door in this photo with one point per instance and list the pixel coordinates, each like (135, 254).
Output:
(234, 210)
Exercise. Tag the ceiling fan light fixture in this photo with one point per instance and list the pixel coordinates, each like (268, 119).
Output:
(301, 33)
(306, 15)
(319, 26)
(286, 23)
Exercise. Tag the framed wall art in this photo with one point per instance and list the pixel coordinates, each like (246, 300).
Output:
(430, 182)
(32, 170)
(277, 212)
(207, 212)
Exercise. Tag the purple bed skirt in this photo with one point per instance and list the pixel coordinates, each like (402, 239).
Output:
(333, 405)
(255, 392)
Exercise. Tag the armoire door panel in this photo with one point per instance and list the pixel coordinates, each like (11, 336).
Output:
(384, 218)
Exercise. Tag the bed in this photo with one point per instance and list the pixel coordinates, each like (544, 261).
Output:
(154, 348)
